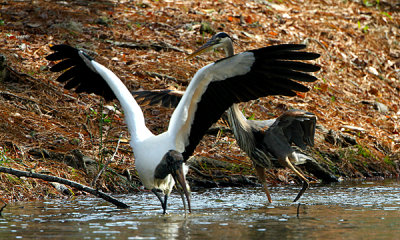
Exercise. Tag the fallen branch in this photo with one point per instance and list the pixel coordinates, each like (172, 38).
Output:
(156, 46)
(76, 185)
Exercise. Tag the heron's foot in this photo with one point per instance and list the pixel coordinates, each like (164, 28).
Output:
(265, 187)
(260, 171)
(303, 189)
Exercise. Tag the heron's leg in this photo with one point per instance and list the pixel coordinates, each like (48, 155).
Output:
(260, 171)
(286, 162)
(163, 202)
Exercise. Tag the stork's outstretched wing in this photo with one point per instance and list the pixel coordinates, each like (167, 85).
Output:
(83, 74)
(240, 78)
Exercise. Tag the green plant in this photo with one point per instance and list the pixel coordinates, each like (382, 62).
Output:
(3, 156)
(388, 161)
(252, 117)
(371, 3)
(363, 29)
(387, 15)
(362, 151)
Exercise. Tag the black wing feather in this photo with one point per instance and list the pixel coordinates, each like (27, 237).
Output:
(78, 74)
(166, 98)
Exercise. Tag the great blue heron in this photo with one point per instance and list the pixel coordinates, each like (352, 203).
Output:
(263, 141)
(160, 159)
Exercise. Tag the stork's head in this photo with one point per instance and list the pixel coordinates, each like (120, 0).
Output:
(172, 163)
(219, 40)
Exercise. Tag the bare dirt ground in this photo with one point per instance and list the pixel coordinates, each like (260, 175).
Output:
(145, 43)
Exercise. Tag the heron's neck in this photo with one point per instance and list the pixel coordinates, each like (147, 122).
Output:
(240, 127)
(228, 48)
(237, 121)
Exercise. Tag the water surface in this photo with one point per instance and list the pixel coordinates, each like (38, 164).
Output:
(356, 210)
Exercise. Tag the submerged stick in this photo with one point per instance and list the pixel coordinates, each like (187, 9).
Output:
(298, 210)
(76, 185)
(2, 208)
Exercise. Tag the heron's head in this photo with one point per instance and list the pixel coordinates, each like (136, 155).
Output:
(172, 163)
(219, 40)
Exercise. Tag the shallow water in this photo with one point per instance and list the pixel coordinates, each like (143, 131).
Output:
(355, 210)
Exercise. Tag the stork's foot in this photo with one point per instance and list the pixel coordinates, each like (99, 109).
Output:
(158, 193)
(305, 186)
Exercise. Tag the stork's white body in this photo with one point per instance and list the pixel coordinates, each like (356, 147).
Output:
(148, 148)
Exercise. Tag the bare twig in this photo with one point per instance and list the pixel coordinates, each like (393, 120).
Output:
(164, 76)
(26, 99)
(322, 45)
(76, 185)
(14, 74)
(108, 162)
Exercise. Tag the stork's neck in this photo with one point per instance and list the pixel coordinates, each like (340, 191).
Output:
(134, 117)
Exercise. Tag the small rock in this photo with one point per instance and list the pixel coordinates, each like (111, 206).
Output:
(381, 107)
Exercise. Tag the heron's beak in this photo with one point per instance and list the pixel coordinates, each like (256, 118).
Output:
(205, 48)
(180, 181)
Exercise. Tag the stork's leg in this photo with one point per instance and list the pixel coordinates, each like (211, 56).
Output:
(163, 201)
(260, 171)
(286, 162)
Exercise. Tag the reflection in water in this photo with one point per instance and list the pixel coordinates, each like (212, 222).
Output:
(361, 210)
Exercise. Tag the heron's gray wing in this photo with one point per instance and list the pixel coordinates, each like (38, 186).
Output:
(275, 143)
(261, 124)
(165, 97)
(298, 127)
(308, 126)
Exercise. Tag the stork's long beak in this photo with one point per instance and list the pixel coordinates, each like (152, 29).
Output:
(205, 48)
(180, 181)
